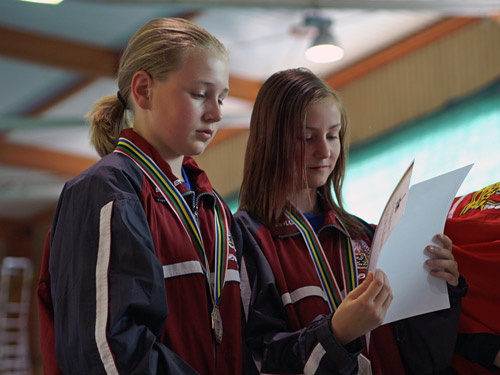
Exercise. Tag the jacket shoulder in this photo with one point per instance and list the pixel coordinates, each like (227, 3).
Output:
(247, 221)
(114, 173)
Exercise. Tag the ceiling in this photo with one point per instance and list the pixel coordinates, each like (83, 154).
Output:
(56, 60)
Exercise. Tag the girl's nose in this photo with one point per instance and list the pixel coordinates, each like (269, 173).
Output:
(213, 112)
(322, 150)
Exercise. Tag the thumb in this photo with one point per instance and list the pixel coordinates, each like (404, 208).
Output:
(360, 289)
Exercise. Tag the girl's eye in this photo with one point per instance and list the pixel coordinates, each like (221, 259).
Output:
(333, 137)
(197, 95)
(221, 101)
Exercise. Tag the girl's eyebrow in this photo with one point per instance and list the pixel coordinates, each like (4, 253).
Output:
(337, 125)
(211, 84)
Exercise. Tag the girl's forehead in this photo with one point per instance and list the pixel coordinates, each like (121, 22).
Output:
(203, 65)
(203, 53)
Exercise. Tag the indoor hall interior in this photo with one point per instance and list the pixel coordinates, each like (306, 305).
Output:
(420, 81)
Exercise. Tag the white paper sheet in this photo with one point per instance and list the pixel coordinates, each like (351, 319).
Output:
(393, 212)
(403, 254)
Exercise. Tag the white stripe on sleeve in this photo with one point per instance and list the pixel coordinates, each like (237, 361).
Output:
(300, 293)
(101, 278)
(182, 268)
(314, 359)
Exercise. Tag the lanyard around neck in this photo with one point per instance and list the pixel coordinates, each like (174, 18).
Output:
(184, 214)
(318, 256)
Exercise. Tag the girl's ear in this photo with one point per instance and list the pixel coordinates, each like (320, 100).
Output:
(141, 89)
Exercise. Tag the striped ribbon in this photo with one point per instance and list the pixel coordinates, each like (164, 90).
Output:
(221, 248)
(323, 269)
(349, 269)
(184, 214)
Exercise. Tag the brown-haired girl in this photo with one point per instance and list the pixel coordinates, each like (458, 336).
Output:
(308, 298)
(142, 276)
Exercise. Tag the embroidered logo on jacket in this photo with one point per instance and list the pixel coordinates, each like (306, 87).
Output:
(362, 254)
(231, 242)
(481, 200)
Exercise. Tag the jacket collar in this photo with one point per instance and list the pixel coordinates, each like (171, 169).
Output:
(199, 180)
(285, 226)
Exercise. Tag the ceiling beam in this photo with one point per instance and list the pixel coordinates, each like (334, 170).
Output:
(65, 164)
(88, 60)
(57, 97)
(400, 49)
(247, 89)
(100, 62)
(32, 157)
(69, 55)
(18, 155)
(9, 123)
(243, 88)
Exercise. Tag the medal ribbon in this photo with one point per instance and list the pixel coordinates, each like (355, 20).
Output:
(182, 211)
(222, 248)
(323, 269)
(349, 269)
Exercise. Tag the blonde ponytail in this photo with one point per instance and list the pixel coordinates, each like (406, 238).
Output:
(107, 118)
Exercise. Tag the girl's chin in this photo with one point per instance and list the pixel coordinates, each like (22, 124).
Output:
(316, 183)
(198, 150)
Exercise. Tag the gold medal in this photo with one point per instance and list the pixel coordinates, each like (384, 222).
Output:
(217, 324)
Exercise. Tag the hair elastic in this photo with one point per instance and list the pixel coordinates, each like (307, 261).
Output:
(120, 98)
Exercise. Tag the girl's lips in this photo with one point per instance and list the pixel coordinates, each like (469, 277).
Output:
(206, 133)
(320, 167)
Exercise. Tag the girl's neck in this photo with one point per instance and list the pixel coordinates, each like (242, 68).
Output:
(176, 166)
(307, 201)
(174, 161)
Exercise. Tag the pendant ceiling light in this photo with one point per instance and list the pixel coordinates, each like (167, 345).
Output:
(324, 47)
(52, 2)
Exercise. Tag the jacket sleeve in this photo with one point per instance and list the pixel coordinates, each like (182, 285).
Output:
(481, 348)
(107, 288)
(277, 349)
(46, 315)
(427, 342)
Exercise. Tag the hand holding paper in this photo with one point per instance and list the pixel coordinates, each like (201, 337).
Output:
(403, 256)
(363, 309)
(442, 262)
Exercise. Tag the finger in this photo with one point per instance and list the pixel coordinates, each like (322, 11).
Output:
(447, 266)
(384, 293)
(446, 276)
(376, 285)
(444, 269)
(386, 305)
(361, 288)
(440, 252)
(387, 301)
(445, 240)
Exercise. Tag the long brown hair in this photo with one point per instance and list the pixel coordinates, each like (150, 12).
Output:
(157, 48)
(274, 160)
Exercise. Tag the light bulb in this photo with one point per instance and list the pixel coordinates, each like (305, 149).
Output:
(324, 53)
(51, 2)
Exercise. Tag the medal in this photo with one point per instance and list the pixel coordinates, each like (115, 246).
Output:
(183, 212)
(217, 324)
